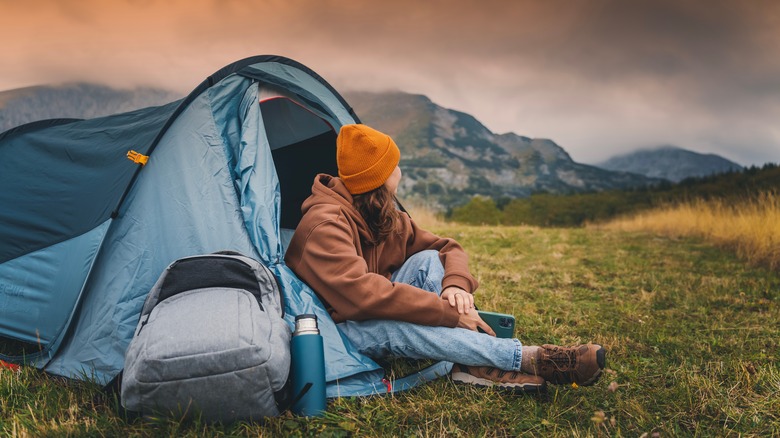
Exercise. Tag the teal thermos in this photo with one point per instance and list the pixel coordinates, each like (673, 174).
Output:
(308, 367)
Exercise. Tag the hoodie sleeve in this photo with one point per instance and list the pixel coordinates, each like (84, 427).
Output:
(454, 259)
(329, 263)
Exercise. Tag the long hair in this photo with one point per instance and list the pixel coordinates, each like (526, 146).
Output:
(378, 209)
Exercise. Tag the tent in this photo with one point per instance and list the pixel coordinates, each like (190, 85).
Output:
(92, 211)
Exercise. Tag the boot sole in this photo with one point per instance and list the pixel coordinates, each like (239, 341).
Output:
(516, 388)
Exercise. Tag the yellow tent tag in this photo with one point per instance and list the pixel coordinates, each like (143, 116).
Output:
(137, 157)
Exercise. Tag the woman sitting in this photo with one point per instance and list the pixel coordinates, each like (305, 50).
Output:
(395, 289)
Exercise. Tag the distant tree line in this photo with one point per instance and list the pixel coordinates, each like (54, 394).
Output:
(573, 210)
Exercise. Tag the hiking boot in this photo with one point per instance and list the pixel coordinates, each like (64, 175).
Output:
(510, 381)
(581, 364)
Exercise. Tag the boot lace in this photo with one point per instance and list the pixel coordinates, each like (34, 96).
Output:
(564, 359)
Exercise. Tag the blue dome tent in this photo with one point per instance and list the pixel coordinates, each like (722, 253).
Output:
(92, 211)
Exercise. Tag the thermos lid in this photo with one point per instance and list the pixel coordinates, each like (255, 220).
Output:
(306, 325)
(306, 316)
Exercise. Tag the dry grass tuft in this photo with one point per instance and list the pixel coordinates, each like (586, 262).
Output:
(425, 216)
(750, 227)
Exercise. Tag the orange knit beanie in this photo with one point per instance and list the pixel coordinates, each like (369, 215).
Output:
(365, 157)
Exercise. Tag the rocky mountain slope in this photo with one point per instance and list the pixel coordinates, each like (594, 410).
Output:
(670, 163)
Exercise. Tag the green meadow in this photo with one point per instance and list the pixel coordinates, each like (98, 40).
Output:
(692, 334)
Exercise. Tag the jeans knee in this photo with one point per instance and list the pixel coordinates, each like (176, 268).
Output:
(430, 267)
(423, 270)
(427, 260)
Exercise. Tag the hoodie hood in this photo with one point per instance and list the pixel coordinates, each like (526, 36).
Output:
(331, 191)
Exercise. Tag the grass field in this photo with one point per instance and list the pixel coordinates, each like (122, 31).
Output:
(692, 334)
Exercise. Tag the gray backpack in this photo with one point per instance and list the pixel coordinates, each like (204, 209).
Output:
(211, 342)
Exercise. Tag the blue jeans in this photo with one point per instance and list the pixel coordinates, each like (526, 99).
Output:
(382, 338)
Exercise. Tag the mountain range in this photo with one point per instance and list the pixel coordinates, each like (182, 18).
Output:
(671, 163)
(447, 156)
(77, 100)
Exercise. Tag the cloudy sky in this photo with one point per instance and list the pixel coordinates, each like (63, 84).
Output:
(599, 77)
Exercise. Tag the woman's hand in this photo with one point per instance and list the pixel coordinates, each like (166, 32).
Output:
(472, 321)
(459, 298)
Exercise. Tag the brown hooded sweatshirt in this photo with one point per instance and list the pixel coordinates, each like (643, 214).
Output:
(329, 253)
